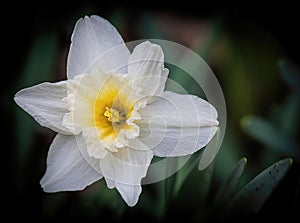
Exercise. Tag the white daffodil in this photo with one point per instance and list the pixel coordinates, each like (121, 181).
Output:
(112, 114)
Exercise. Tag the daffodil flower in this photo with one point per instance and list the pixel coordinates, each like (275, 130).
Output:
(112, 114)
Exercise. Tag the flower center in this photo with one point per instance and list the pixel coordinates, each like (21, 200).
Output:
(115, 112)
(104, 107)
(115, 116)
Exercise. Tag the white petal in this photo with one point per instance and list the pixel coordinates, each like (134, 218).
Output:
(67, 167)
(96, 44)
(124, 170)
(146, 69)
(44, 103)
(82, 92)
(129, 193)
(177, 125)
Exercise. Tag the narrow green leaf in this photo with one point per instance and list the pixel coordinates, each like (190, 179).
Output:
(159, 203)
(182, 174)
(290, 73)
(38, 68)
(210, 151)
(229, 153)
(286, 115)
(229, 186)
(178, 80)
(170, 181)
(40, 61)
(251, 198)
(270, 135)
(97, 196)
(195, 190)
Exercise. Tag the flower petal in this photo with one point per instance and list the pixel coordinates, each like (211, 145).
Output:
(129, 193)
(96, 44)
(67, 167)
(124, 170)
(44, 103)
(177, 125)
(146, 69)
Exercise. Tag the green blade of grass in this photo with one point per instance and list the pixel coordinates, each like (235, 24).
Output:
(252, 197)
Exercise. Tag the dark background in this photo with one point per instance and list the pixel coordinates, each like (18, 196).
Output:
(21, 22)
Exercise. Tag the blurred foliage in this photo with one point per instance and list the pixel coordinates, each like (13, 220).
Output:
(251, 198)
(279, 131)
(247, 62)
(38, 68)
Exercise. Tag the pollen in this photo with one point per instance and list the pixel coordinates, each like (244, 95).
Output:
(114, 116)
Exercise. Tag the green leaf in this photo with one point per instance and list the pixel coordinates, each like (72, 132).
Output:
(182, 174)
(229, 186)
(194, 192)
(40, 61)
(210, 151)
(98, 198)
(286, 115)
(229, 154)
(290, 73)
(160, 202)
(182, 82)
(251, 198)
(269, 135)
(38, 68)
(169, 183)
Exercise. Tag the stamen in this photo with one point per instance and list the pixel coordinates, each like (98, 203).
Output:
(114, 115)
